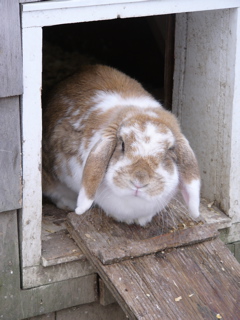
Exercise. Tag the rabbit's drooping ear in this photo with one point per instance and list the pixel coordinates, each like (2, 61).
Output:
(189, 176)
(94, 172)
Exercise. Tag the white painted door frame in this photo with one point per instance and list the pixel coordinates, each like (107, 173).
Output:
(206, 99)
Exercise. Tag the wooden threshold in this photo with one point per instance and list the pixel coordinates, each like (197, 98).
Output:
(112, 242)
(57, 245)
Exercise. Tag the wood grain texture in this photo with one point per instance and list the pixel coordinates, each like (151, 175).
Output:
(9, 264)
(10, 53)
(37, 15)
(15, 303)
(10, 154)
(57, 245)
(105, 296)
(58, 296)
(48, 316)
(196, 281)
(24, 1)
(38, 275)
(93, 311)
(60, 248)
(31, 215)
(206, 98)
(117, 241)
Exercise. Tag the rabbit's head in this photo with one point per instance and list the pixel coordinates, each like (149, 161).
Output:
(136, 167)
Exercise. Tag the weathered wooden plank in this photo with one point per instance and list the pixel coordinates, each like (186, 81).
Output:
(24, 1)
(48, 316)
(60, 254)
(195, 282)
(93, 311)
(10, 154)
(58, 296)
(38, 275)
(10, 53)
(16, 303)
(105, 296)
(60, 248)
(116, 241)
(200, 281)
(237, 251)
(36, 15)
(109, 254)
(197, 276)
(31, 215)
(9, 264)
(206, 99)
(57, 245)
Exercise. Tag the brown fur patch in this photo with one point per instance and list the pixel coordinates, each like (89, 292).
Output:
(96, 166)
(186, 161)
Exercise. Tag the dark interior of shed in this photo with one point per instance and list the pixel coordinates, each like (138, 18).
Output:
(140, 47)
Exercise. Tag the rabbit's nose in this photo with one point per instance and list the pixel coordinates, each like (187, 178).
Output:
(140, 178)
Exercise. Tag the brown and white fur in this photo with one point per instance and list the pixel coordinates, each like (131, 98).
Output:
(108, 141)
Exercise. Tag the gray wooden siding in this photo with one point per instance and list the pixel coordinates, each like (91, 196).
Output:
(10, 89)
(10, 49)
(16, 304)
(24, 1)
(10, 154)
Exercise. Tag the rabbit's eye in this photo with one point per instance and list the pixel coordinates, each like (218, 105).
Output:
(171, 153)
(123, 146)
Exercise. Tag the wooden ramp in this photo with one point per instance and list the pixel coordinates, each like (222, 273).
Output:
(174, 268)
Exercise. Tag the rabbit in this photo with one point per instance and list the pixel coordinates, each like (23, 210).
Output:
(107, 141)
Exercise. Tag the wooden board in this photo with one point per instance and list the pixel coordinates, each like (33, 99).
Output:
(60, 248)
(31, 213)
(60, 254)
(10, 53)
(24, 1)
(10, 154)
(118, 241)
(61, 12)
(15, 303)
(200, 281)
(195, 282)
(208, 110)
(105, 296)
(57, 245)
(93, 311)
